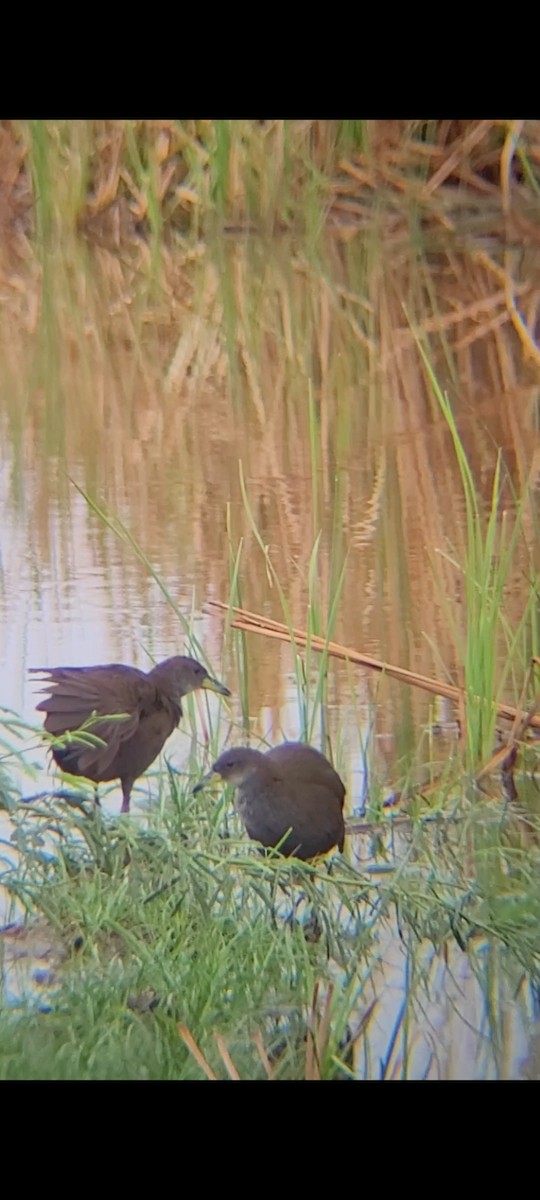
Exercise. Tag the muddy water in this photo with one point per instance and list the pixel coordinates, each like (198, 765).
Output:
(249, 359)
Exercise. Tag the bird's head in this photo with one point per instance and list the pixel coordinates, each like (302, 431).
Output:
(181, 675)
(234, 766)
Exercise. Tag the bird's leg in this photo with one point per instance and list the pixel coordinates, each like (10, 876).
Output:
(312, 926)
(97, 800)
(127, 785)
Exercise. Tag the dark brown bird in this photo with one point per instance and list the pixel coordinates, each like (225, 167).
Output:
(150, 703)
(290, 788)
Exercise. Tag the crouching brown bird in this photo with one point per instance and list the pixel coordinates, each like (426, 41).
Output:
(290, 788)
(151, 708)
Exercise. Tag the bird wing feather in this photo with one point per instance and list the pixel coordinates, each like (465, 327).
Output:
(74, 694)
(113, 733)
(76, 690)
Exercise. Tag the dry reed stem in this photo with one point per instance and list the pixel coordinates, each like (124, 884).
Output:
(227, 1060)
(507, 155)
(526, 337)
(250, 622)
(261, 1050)
(193, 1048)
(463, 147)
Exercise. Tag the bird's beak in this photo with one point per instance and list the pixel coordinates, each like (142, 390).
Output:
(213, 685)
(211, 777)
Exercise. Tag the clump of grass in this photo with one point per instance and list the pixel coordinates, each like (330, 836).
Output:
(173, 924)
(169, 909)
(489, 554)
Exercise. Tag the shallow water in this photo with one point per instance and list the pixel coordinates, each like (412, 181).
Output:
(252, 357)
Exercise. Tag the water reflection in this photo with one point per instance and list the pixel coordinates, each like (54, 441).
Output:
(312, 380)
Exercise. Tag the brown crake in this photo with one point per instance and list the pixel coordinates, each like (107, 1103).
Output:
(291, 787)
(150, 701)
